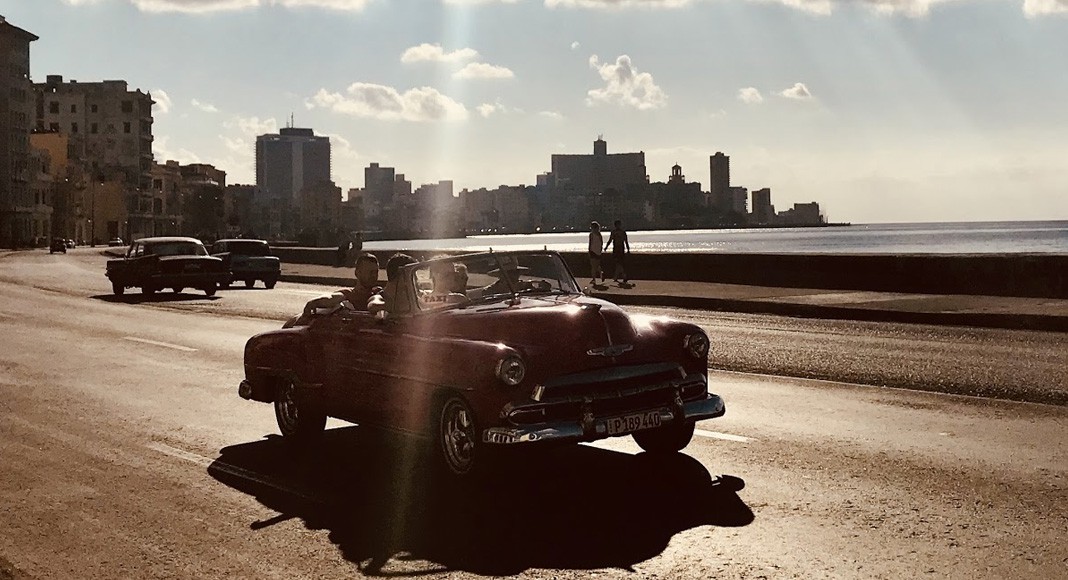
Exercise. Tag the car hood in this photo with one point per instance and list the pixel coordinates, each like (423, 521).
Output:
(567, 333)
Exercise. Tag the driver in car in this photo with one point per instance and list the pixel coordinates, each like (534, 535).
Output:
(507, 278)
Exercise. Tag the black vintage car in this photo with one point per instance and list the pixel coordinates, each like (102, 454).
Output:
(153, 264)
(248, 261)
(57, 245)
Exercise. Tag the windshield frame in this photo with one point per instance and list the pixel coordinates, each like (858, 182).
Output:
(562, 283)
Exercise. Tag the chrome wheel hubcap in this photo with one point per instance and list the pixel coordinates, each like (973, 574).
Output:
(458, 437)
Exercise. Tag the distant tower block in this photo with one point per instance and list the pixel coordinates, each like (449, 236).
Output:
(719, 166)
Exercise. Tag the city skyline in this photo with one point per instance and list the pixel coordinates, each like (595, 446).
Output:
(902, 114)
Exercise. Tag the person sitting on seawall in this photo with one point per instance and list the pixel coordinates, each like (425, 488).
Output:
(384, 301)
(355, 298)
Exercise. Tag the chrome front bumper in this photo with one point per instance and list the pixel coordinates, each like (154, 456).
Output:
(594, 428)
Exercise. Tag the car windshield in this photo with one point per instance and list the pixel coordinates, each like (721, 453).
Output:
(248, 248)
(176, 249)
(487, 277)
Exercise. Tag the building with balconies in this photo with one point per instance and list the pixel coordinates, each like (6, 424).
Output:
(107, 123)
(17, 212)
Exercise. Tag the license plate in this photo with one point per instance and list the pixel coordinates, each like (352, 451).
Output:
(635, 422)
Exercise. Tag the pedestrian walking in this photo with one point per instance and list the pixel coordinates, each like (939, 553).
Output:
(620, 248)
(596, 241)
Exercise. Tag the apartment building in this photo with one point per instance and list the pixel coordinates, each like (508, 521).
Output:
(108, 124)
(20, 220)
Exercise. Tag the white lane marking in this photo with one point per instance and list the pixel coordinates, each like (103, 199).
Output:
(229, 469)
(157, 343)
(723, 436)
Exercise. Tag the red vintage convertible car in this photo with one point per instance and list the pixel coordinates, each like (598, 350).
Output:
(487, 351)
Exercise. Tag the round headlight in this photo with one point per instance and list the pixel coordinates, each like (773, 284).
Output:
(697, 344)
(511, 370)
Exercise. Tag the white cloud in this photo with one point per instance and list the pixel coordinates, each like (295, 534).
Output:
(388, 104)
(252, 126)
(435, 53)
(798, 91)
(163, 101)
(750, 96)
(717, 114)
(472, 2)
(207, 6)
(161, 152)
(206, 107)
(575, 45)
(625, 85)
(193, 6)
(613, 4)
(1033, 8)
(345, 5)
(481, 70)
(551, 115)
(487, 109)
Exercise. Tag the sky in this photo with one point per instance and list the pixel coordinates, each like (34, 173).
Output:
(880, 110)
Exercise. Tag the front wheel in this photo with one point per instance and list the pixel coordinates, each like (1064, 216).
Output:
(117, 288)
(250, 283)
(668, 439)
(269, 284)
(297, 420)
(210, 290)
(457, 437)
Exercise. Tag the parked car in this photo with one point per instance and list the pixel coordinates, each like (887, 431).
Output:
(116, 242)
(69, 243)
(153, 264)
(57, 245)
(486, 352)
(249, 261)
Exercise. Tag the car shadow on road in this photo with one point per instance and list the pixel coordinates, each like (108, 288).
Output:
(571, 508)
(167, 296)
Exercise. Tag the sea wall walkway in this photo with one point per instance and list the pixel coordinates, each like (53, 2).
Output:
(1020, 275)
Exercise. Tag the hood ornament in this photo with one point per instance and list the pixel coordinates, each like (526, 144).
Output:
(613, 350)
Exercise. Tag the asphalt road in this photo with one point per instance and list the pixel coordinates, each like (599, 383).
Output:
(125, 453)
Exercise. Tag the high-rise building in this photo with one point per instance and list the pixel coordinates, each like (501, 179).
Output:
(600, 172)
(763, 211)
(719, 167)
(291, 160)
(109, 125)
(18, 218)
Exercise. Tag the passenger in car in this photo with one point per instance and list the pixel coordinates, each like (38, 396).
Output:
(449, 285)
(355, 298)
(385, 301)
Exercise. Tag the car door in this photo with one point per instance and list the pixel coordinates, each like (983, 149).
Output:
(329, 365)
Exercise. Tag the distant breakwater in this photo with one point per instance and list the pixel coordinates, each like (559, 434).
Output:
(1027, 275)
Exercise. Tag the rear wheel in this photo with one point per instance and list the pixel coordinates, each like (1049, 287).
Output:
(117, 288)
(210, 290)
(269, 284)
(177, 289)
(667, 439)
(149, 289)
(250, 283)
(297, 420)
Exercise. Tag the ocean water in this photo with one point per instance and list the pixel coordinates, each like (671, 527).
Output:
(1047, 237)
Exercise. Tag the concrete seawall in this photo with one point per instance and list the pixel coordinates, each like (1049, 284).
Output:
(1030, 275)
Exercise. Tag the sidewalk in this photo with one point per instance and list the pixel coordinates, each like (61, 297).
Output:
(1048, 314)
